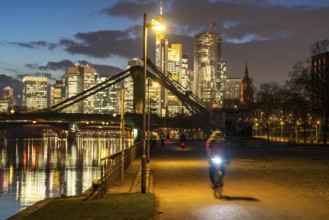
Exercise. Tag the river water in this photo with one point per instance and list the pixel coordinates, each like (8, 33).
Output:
(35, 169)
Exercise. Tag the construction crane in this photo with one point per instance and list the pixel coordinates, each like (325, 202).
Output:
(213, 21)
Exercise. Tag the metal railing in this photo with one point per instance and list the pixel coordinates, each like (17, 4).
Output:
(111, 168)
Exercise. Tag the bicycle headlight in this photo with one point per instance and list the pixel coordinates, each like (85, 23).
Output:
(217, 160)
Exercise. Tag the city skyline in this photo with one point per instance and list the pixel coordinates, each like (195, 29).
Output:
(47, 37)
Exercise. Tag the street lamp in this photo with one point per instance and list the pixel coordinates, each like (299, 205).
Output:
(156, 25)
(281, 125)
(148, 119)
(297, 130)
(317, 128)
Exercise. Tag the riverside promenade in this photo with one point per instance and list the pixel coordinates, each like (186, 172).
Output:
(260, 184)
(263, 181)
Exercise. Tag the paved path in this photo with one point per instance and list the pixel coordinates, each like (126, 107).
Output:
(180, 183)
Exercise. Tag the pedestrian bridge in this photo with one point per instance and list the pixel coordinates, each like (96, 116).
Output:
(193, 104)
(199, 114)
(196, 116)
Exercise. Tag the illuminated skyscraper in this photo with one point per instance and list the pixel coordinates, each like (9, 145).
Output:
(56, 92)
(161, 61)
(185, 80)
(107, 100)
(35, 92)
(175, 68)
(209, 70)
(8, 95)
(128, 85)
(168, 59)
(79, 78)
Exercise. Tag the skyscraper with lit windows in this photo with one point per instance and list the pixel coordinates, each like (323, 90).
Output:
(8, 95)
(168, 58)
(35, 92)
(161, 61)
(56, 92)
(77, 79)
(175, 69)
(209, 70)
(186, 72)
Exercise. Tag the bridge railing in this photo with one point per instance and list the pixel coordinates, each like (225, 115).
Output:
(194, 104)
(91, 91)
(111, 168)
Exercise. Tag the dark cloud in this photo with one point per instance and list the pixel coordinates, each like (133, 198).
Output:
(271, 22)
(103, 70)
(5, 80)
(8, 69)
(34, 44)
(64, 64)
(48, 75)
(32, 66)
(21, 75)
(131, 9)
(103, 44)
(61, 65)
(51, 66)
(10, 81)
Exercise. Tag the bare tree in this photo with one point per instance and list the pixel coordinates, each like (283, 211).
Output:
(298, 102)
(319, 47)
(268, 102)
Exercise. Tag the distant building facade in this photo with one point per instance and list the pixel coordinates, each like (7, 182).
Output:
(77, 79)
(320, 65)
(161, 61)
(320, 78)
(8, 95)
(175, 55)
(186, 72)
(3, 105)
(35, 92)
(57, 92)
(232, 88)
(108, 100)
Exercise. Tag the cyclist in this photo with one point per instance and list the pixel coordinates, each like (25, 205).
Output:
(216, 145)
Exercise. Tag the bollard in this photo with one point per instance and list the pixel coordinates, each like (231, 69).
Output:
(143, 174)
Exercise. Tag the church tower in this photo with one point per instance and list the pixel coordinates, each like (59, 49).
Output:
(246, 88)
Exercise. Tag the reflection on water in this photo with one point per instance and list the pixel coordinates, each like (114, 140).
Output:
(34, 169)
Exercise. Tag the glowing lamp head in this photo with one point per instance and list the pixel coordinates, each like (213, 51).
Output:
(217, 160)
(157, 25)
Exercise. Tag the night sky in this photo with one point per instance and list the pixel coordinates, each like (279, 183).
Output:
(45, 37)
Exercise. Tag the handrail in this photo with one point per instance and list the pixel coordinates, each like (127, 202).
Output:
(112, 165)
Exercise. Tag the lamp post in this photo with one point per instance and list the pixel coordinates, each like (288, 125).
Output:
(143, 182)
(122, 133)
(317, 131)
(281, 125)
(157, 26)
(148, 120)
